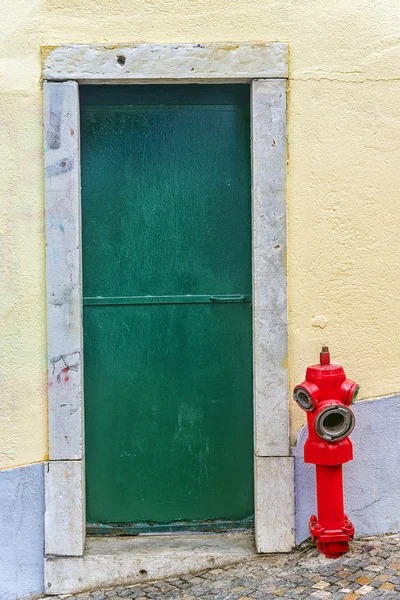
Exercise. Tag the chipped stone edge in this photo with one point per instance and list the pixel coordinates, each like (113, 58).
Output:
(95, 63)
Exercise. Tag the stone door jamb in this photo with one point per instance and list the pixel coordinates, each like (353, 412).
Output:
(265, 67)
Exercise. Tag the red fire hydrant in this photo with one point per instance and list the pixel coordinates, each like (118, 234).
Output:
(326, 395)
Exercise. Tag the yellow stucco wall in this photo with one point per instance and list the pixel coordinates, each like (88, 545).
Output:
(343, 178)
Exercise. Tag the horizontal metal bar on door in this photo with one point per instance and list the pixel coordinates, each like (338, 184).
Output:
(179, 299)
(158, 107)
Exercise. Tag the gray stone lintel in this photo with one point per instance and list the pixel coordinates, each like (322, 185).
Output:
(96, 63)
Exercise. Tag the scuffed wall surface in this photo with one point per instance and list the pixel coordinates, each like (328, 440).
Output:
(21, 532)
(371, 480)
(343, 178)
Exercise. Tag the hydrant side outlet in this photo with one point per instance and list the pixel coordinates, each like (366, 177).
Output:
(326, 395)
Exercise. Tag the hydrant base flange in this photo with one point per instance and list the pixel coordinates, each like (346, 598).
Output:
(333, 543)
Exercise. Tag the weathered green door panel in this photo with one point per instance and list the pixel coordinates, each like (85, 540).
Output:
(171, 439)
(169, 216)
(167, 315)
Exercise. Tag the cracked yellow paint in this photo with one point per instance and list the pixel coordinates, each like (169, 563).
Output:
(343, 178)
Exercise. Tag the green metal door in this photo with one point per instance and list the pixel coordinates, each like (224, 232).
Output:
(166, 221)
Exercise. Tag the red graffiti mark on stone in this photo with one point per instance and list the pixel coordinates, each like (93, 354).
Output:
(68, 362)
(64, 372)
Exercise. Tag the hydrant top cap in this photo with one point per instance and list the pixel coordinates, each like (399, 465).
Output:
(322, 371)
(325, 368)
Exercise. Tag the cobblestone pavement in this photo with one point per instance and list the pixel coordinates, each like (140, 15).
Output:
(370, 570)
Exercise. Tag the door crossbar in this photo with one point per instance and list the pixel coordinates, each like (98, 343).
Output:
(178, 299)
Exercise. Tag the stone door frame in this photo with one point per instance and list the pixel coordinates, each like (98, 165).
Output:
(265, 67)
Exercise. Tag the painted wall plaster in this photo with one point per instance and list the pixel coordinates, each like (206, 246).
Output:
(371, 480)
(21, 532)
(343, 178)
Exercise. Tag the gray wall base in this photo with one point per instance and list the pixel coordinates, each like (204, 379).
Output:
(21, 532)
(371, 480)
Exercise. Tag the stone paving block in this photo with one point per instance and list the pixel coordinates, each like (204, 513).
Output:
(375, 568)
(363, 580)
(364, 590)
(386, 586)
(320, 585)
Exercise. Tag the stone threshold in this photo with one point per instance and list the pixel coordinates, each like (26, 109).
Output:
(112, 561)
